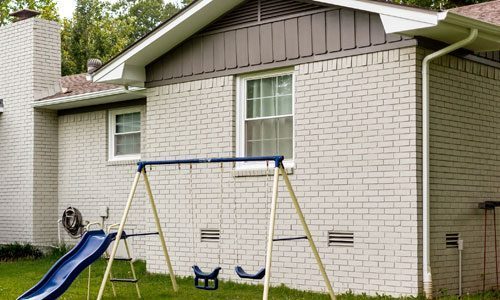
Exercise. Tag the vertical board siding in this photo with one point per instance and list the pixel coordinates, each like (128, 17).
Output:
(266, 43)
(305, 36)
(319, 33)
(333, 30)
(491, 55)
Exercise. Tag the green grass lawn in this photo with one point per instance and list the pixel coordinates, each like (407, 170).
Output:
(16, 277)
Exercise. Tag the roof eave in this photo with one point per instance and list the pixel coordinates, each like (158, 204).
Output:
(88, 99)
(453, 27)
(128, 68)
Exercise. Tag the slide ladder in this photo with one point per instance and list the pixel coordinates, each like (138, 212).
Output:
(130, 261)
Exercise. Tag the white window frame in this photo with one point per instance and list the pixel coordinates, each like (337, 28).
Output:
(112, 131)
(241, 118)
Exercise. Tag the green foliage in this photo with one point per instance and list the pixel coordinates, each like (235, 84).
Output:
(440, 4)
(48, 9)
(16, 251)
(101, 30)
(93, 32)
(58, 251)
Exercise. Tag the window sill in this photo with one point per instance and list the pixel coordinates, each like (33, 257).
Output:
(122, 162)
(254, 171)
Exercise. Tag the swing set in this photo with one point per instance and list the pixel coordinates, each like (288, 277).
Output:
(210, 279)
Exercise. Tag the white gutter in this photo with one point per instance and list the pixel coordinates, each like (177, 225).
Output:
(426, 267)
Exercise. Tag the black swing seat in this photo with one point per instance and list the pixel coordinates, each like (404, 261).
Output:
(206, 277)
(257, 276)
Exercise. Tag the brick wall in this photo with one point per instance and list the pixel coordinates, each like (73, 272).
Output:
(29, 56)
(464, 168)
(355, 171)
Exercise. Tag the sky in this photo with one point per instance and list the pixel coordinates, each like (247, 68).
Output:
(66, 7)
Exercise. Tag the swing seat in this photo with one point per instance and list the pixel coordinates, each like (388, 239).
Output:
(207, 278)
(257, 276)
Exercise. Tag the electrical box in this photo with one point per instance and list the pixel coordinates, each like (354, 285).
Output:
(104, 212)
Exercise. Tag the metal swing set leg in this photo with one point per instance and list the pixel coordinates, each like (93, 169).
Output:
(119, 233)
(270, 237)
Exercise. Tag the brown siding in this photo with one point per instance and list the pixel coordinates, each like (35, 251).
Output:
(274, 43)
(492, 55)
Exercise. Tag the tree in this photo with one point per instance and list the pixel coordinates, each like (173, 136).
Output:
(101, 30)
(47, 8)
(93, 32)
(143, 14)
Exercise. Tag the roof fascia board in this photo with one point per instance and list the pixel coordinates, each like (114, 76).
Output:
(88, 96)
(403, 12)
(120, 60)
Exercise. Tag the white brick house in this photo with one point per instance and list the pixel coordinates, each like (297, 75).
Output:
(344, 83)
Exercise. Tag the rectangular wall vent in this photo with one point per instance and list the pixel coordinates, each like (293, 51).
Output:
(336, 238)
(210, 235)
(452, 240)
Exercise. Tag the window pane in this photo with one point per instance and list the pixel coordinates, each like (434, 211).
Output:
(269, 147)
(268, 87)
(253, 108)
(269, 129)
(254, 130)
(285, 105)
(128, 144)
(285, 85)
(253, 89)
(128, 122)
(285, 148)
(268, 107)
(254, 148)
(285, 127)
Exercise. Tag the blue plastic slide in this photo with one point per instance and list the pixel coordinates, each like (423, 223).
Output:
(92, 245)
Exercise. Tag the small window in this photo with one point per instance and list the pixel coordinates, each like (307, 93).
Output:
(125, 134)
(266, 115)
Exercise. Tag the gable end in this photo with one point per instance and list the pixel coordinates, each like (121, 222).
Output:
(276, 42)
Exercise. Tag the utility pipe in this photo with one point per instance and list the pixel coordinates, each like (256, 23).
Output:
(426, 267)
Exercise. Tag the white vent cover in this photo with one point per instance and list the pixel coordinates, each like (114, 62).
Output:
(210, 235)
(452, 240)
(336, 238)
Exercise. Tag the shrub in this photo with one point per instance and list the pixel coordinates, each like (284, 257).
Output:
(16, 251)
(58, 251)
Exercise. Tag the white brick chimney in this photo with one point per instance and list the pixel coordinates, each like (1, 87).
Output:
(30, 62)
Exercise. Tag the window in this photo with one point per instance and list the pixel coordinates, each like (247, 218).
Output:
(266, 115)
(125, 134)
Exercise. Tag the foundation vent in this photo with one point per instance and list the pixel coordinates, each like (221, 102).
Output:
(210, 235)
(452, 240)
(336, 238)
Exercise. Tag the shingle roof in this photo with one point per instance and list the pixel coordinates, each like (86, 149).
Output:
(78, 85)
(487, 12)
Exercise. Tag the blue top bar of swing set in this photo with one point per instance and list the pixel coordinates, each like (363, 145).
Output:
(277, 161)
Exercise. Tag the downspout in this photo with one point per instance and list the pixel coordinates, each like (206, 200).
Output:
(426, 267)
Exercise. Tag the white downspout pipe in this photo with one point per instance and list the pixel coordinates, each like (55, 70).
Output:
(426, 266)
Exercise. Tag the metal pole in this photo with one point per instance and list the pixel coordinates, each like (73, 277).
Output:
(270, 234)
(134, 276)
(118, 235)
(160, 231)
(88, 283)
(308, 233)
